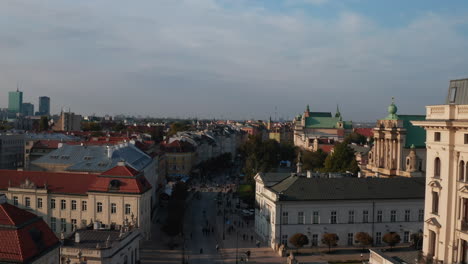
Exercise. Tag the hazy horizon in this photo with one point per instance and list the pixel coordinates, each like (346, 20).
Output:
(233, 59)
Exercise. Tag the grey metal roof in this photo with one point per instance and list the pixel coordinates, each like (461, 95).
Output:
(299, 188)
(271, 178)
(458, 91)
(96, 158)
(90, 239)
(50, 136)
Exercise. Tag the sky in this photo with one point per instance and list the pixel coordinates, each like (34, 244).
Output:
(233, 59)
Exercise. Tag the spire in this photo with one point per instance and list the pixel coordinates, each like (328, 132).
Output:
(307, 109)
(338, 114)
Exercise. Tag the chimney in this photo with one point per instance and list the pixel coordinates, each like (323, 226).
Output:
(121, 163)
(77, 237)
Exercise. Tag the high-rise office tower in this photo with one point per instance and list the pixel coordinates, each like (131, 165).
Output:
(44, 105)
(15, 101)
(27, 109)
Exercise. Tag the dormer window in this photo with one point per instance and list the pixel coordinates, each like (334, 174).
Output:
(453, 94)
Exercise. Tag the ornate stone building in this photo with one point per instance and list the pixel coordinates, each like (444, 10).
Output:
(399, 147)
(312, 129)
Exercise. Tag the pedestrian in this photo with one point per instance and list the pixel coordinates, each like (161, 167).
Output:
(251, 238)
(217, 247)
(190, 235)
(212, 229)
(258, 244)
(243, 237)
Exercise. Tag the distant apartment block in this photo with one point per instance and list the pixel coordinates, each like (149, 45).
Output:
(11, 151)
(68, 121)
(27, 109)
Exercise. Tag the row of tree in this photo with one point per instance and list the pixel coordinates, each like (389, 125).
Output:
(362, 238)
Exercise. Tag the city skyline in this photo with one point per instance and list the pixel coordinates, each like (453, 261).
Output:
(233, 60)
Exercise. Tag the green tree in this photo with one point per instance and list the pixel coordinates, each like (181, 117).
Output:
(364, 239)
(391, 239)
(330, 240)
(417, 240)
(119, 127)
(177, 127)
(341, 160)
(44, 123)
(91, 126)
(299, 240)
(313, 160)
(175, 216)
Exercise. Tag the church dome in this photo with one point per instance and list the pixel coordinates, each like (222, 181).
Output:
(392, 109)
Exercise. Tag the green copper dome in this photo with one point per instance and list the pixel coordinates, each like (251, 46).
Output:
(392, 110)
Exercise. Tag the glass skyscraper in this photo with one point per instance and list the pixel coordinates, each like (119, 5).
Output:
(44, 105)
(15, 101)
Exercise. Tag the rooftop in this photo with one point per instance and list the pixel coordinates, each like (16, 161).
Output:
(300, 188)
(23, 235)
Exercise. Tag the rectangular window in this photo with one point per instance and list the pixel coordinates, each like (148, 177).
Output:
(15, 200)
(435, 203)
(406, 237)
(99, 207)
(379, 216)
(365, 216)
(284, 219)
(351, 217)
(300, 218)
(63, 225)
(53, 224)
(421, 215)
(127, 209)
(284, 240)
(333, 217)
(393, 216)
(437, 136)
(350, 239)
(315, 217)
(63, 204)
(378, 238)
(73, 205)
(73, 224)
(407, 215)
(39, 202)
(466, 138)
(52, 203)
(84, 205)
(27, 202)
(314, 240)
(113, 208)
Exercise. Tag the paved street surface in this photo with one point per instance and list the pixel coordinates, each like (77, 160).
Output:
(204, 213)
(203, 230)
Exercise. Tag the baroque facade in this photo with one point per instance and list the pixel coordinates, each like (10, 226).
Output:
(446, 217)
(312, 128)
(399, 147)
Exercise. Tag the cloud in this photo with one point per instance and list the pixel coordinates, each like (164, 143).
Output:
(212, 58)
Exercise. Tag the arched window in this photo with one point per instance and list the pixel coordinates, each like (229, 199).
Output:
(437, 168)
(461, 170)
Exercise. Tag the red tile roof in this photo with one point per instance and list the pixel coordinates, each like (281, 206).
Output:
(121, 171)
(367, 132)
(326, 148)
(13, 216)
(73, 183)
(130, 180)
(23, 235)
(125, 185)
